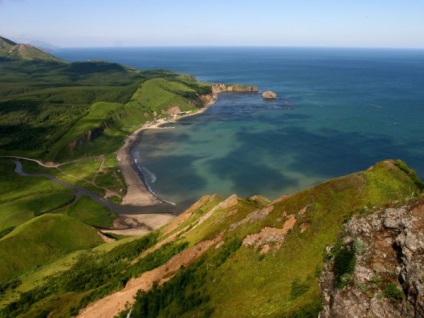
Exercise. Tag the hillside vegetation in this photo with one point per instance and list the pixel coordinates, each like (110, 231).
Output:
(42, 240)
(46, 106)
(12, 50)
(23, 198)
(77, 114)
(223, 257)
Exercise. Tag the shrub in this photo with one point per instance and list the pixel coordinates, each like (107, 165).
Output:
(391, 291)
(344, 264)
(6, 231)
(227, 250)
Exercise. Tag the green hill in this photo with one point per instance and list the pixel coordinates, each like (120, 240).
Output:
(234, 257)
(268, 257)
(43, 240)
(12, 50)
(47, 106)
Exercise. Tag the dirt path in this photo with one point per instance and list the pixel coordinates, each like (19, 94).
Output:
(113, 304)
(39, 162)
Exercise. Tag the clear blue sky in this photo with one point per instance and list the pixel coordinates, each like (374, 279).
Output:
(340, 23)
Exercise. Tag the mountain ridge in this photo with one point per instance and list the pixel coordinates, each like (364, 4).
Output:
(19, 51)
(262, 258)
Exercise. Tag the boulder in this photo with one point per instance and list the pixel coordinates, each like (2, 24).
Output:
(269, 95)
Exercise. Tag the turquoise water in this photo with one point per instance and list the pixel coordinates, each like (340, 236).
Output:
(338, 111)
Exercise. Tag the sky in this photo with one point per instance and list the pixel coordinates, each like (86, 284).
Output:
(132, 23)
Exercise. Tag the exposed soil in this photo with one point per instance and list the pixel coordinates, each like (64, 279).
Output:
(113, 304)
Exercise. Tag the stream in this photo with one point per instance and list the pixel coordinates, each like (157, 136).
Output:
(114, 207)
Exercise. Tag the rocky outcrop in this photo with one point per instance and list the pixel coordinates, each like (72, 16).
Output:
(388, 273)
(269, 95)
(88, 136)
(172, 110)
(219, 88)
(208, 99)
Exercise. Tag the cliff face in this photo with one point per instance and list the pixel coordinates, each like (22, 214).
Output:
(89, 136)
(386, 273)
(219, 88)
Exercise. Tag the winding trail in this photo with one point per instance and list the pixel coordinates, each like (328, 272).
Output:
(39, 162)
(79, 191)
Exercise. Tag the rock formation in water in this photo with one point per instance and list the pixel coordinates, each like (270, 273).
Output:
(269, 95)
(240, 88)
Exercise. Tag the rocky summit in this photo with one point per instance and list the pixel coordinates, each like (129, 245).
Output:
(377, 270)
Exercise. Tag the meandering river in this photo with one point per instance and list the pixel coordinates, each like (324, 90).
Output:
(79, 191)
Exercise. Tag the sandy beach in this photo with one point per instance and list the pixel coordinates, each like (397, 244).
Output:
(138, 193)
(139, 224)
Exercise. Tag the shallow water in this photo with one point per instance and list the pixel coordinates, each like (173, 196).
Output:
(338, 111)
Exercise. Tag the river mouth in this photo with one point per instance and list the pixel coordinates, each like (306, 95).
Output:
(162, 208)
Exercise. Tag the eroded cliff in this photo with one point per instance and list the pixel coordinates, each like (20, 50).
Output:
(377, 268)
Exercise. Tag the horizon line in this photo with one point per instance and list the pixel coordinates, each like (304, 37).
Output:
(238, 46)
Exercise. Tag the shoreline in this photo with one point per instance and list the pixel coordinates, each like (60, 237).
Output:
(138, 191)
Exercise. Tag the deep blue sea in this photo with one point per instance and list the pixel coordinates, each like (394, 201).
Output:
(338, 111)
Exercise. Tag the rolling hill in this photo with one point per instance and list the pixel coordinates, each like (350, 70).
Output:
(12, 50)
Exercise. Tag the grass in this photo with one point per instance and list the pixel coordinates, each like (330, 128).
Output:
(13, 186)
(47, 106)
(92, 213)
(87, 275)
(43, 240)
(22, 198)
(222, 283)
(19, 211)
(283, 283)
(99, 116)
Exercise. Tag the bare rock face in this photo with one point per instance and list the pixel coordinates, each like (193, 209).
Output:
(269, 95)
(219, 88)
(388, 275)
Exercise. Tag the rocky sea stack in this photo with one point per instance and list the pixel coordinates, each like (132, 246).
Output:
(269, 95)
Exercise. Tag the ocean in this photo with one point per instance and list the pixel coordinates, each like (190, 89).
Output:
(338, 111)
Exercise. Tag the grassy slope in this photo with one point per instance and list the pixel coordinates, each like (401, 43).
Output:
(239, 281)
(40, 101)
(92, 213)
(12, 50)
(42, 240)
(151, 99)
(38, 278)
(251, 284)
(45, 105)
(22, 198)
